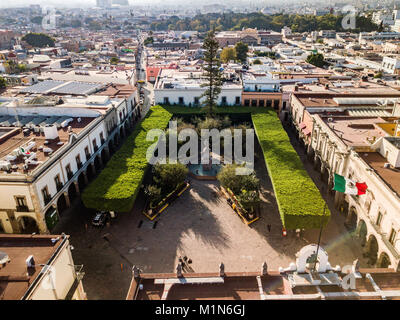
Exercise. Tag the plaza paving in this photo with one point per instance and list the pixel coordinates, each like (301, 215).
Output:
(199, 225)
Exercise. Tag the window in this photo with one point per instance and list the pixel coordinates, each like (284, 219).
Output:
(46, 195)
(269, 103)
(21, 204)
(223, 101)
(58, 183)
(261, 103)
(101, 137)
(69, 171)
(246, 102)
(166, 100)
(392, 237)
(196, 100)
(87, 154)
(379, 219)
(78, 161)
(237, 100)
(181, 101)
(254, 103)
(284, 105)
(94, 145)
(276, 104)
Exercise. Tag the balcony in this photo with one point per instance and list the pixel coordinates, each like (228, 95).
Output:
(22, 209)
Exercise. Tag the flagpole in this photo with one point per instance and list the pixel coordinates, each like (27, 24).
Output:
(319, 238)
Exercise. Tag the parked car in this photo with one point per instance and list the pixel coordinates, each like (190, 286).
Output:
(101, 218)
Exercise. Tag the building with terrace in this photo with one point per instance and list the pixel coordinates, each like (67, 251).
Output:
(356, 135)
(51, 147)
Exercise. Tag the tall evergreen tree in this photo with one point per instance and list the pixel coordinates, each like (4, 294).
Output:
(212, 74)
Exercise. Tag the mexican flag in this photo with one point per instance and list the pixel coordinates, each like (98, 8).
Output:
(348, 186)
(24, 152)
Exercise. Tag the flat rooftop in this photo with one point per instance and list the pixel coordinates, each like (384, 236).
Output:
(391, 176)
(15, 278)
(13, 138)
(356, 132)
(253, 286)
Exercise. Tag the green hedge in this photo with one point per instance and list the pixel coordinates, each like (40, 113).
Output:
(118, 184)
(299, 201)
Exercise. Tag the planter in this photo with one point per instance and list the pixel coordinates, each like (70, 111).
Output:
(246, 217)
(152, 212)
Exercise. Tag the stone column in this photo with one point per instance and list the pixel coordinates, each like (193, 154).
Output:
(85, 177)
(67, 200)
(76, 183)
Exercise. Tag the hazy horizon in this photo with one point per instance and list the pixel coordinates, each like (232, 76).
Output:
(92, 3)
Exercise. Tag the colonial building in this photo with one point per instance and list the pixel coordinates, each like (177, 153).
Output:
(51, 147)
(39, 267)
(184, 88)
(354, 133)
(301, 280)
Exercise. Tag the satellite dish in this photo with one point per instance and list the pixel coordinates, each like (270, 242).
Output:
(4, 257)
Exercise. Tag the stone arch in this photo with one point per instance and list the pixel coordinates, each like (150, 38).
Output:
(72, 192)
(351, 219)
(81, 181)
(362, 232)
(372, 249)
(310, 154)
(325, 173)
(307, 252)
(61, 203)
(384, 260)
(317, 163)
(104, 156)
(97, 163)
(51, 218)
(89, 172)
(28, 225)
(116, 139)
(111, 146)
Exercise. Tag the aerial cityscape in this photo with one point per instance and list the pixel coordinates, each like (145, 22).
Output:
(199, 150)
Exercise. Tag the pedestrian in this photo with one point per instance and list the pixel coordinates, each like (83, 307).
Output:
(269, 228)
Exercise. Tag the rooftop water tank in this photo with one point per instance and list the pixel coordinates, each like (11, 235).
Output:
(50, 132)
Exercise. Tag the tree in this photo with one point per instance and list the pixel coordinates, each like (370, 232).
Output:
(148, 40)
(153, 193)
(3, 83)
(37, 20)
(169, 176)
(241, 51)
(316, 59)
(114, 60)
(228, 54)
(213, 73)
(40, 40)
(237, 183)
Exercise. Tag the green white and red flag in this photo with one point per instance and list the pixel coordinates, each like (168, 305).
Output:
(348, 186)
(24, 152)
